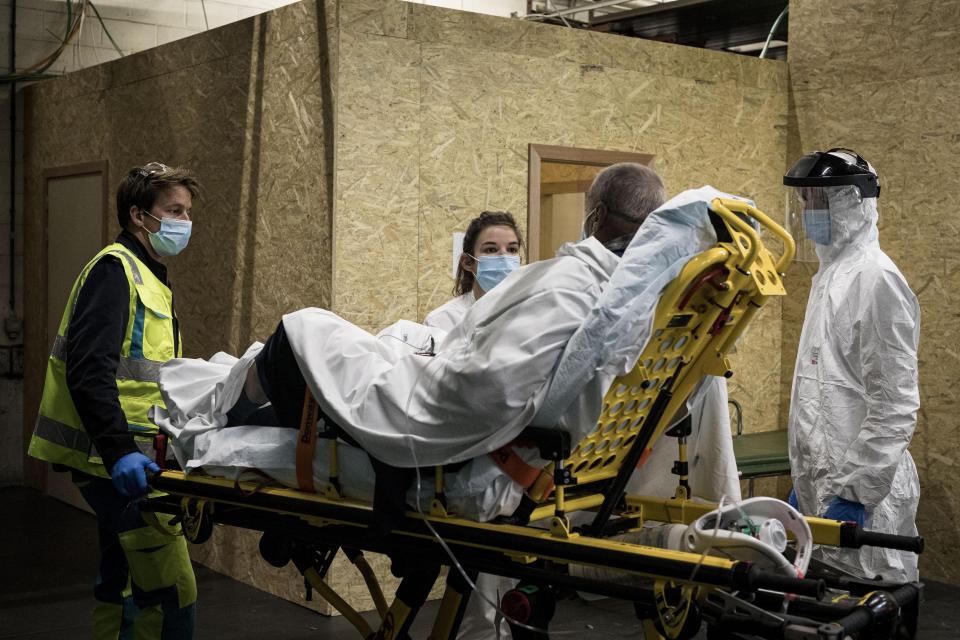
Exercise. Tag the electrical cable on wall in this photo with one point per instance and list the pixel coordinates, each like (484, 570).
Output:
(773, 29)
(13, 157)
(74, 26)
(106, 31)
(78, 41)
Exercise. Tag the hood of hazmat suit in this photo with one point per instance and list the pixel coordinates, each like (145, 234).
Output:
(855, 397)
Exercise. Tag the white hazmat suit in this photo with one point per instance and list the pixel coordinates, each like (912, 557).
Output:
(854, 402)
(451, 312)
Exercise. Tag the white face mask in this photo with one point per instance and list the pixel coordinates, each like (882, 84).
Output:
(172, 237)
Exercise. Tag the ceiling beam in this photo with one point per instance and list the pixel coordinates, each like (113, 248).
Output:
(581, 8)
(647, 10)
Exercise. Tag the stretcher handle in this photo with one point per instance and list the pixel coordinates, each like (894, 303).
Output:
(878, 608)
(758, 578)
(725, 208)
(853, 537)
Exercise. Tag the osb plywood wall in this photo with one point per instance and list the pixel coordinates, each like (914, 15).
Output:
(248, 108)
(434, 114)
(882, 78)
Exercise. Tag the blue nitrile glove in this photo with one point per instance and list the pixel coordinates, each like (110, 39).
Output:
(792, 499)
(845, 510)
(129, 476)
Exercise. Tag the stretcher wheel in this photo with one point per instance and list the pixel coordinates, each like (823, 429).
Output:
(678, 615)
(276, 549)
(197, 528)
(690, 628)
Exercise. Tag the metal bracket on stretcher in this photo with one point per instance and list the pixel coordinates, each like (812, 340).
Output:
(699, 317)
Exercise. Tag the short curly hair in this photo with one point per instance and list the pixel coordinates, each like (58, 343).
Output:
(141, 186)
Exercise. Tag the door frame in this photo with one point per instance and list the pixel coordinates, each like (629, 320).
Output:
(537, 154)
(68, 171)
(34, 471)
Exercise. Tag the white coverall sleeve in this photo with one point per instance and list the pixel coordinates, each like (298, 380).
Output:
(885, 318)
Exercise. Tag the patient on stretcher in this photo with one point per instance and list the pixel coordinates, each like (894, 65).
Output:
(542, 348)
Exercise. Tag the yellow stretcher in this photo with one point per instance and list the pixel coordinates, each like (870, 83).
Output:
(699, 317)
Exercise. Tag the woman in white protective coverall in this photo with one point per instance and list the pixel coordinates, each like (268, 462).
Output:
(854, 402)
(490, 252)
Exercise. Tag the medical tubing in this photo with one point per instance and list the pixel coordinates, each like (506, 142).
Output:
(716, 529)
(854, 537)
(433, 532)
(750, 577)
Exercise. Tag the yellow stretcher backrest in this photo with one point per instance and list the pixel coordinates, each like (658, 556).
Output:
(700, 315)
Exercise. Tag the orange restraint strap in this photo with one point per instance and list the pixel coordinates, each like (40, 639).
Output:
(538, 483)
(307, 442)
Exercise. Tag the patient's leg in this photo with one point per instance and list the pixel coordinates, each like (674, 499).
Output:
(275, 376)
(252, 388)
(249, 404)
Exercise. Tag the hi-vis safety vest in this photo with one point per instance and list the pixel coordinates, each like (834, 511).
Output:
(59, 436)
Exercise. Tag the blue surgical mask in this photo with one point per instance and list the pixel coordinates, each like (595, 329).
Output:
(816, 223)
(491, 270)
(173, 236)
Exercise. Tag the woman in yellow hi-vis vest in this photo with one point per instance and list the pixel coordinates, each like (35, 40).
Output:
(118, 327)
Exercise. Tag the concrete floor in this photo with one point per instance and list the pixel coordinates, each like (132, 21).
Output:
(48, 557)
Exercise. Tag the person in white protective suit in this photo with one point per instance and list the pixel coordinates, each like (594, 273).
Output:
(490, 252)
(854, 402)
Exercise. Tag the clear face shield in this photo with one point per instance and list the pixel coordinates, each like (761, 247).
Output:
(813, 214)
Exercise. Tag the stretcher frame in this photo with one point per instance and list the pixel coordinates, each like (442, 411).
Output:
(699, 318)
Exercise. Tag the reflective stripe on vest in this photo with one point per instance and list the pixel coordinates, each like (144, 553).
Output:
(137, 278)
(66, 436)
(139, 370)
(128, 369)
(59, 349)
(62, 434)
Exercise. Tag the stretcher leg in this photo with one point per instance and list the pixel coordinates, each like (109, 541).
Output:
(417, 581)
(327, 593)
(312, 562)
(369, 577)
(455, 598)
